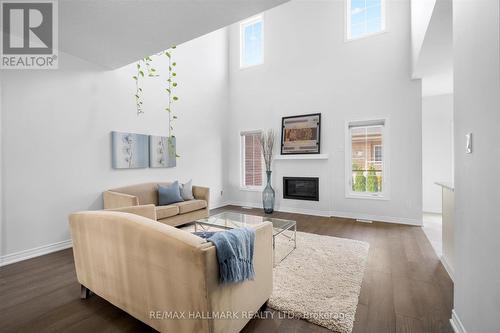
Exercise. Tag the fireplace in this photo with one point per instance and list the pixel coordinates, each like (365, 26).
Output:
(301, 188)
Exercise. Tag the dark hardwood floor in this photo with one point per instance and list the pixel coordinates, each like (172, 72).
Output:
(405, 288)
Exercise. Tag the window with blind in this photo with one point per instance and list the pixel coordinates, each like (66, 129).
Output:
(366, 155)
(251, 160)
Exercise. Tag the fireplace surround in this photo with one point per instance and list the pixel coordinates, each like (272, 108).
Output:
(301, 188)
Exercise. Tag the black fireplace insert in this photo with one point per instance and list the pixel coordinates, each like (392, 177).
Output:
(301, 188)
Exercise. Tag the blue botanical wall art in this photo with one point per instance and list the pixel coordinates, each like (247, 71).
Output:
(162, 151)
(129, 150)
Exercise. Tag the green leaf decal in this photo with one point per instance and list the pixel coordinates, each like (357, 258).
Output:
(145, 67)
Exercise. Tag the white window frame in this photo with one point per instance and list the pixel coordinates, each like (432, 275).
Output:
(347, 19)
(386, 180)
(243, 25)
(243, 186)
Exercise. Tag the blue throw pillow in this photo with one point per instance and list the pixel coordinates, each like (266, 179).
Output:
(169, 194)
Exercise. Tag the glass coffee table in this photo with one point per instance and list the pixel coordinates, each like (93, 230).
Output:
(229, 220)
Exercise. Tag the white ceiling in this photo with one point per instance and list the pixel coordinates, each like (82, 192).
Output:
(114, 33)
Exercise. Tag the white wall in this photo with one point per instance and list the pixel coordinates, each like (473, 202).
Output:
(477, 110)
(309, 68)
(437, 133)
(56, 136)
(421, 13)
(2, 241)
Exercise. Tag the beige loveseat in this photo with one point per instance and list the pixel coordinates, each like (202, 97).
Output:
(164, 276)
(147, 194)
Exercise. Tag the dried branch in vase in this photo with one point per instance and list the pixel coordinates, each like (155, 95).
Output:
(267, 139)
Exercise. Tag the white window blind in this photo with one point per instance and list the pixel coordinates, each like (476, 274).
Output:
(251, 160)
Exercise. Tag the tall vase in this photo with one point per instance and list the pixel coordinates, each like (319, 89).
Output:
(268, 195)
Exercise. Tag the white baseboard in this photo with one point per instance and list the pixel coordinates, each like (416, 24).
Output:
(35, 252)
(378, 218)
(432, 213)
(46, 249)
(283, 209)
(313, 212)
(327, 213)
(456, 323)
(448, 268)
(218, 205)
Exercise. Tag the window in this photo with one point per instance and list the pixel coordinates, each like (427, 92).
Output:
(365, 155)
(377, 153)
(251, 160)
(252, 42)
(364, 18)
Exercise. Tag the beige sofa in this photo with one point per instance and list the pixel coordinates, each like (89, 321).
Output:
(164, 276)
(147, 194)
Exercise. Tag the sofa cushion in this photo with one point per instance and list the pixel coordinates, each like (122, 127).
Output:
(190, 206)
(146, 193)
(187, 190)
(169, 194)
(166, 211)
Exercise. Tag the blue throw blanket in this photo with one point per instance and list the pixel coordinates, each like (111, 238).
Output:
(234, 250)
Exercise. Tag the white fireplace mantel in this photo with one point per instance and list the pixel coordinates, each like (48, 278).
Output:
(302, 157)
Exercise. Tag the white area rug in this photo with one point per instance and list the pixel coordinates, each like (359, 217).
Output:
(320, 281)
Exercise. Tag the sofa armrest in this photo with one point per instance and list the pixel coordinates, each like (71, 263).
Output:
(202, 193)
(118, 200)
(245, 297)
(148, 211)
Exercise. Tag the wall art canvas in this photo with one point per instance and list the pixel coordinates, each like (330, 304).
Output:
(129, 150)
(301, 134)
(162, 152)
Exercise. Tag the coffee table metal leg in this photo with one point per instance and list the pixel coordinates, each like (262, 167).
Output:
(295, 236)
(274, 250)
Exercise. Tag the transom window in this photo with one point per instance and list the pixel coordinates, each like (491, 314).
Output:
(251, 160)
(365, 153)
(364, 18)
(252, 42)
